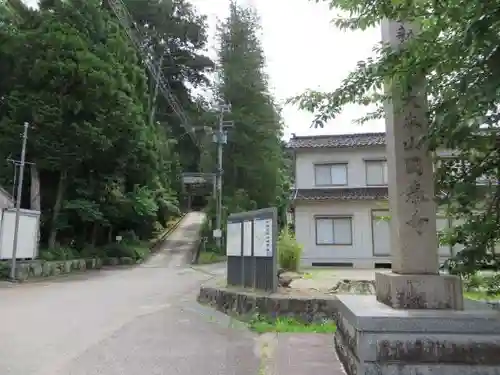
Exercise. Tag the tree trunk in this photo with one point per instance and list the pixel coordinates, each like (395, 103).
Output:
(154, 94)
(95, 230)
(35, 201)
(57, 209)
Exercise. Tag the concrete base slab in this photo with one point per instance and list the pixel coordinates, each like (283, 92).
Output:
(374, 339)
(303, 353)
(402, 291)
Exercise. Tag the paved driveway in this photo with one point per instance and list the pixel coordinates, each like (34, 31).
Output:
(125, 322)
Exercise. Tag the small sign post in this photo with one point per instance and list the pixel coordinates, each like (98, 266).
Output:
(251, 246)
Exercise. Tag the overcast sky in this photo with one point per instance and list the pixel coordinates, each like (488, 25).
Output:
(303, 50)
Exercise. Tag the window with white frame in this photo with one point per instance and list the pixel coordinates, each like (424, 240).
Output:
(334, 174)
(334, 230)
(381, 233)
(376, 172)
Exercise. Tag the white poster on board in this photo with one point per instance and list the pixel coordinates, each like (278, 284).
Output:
(247, 238)
(263, 234)
(233, 242)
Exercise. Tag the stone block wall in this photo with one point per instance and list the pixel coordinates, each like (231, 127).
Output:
(245, 303)
(26, 270)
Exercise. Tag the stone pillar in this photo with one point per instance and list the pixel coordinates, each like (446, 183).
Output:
(415, 282)
(386, 335)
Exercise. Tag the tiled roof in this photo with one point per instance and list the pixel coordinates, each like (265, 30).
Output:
(338, 141)
(366, 193)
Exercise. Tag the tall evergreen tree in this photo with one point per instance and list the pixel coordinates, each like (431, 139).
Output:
(175, 35)
(254, 159)
(107, 160)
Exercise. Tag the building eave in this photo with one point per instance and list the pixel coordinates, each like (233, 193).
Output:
(347, 194)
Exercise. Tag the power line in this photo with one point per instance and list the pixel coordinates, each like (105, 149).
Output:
(220, 138)
(131, 29)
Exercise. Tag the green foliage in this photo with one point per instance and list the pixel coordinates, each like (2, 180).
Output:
(263, 324)
(136, 251)
(493, 285)
(58, 253)
(456, 51)
(473, 282)
(4, 270)
(289, 251)
(106, 146)
(129, 236)
(488, 285)
(256, 170)
(210, 258)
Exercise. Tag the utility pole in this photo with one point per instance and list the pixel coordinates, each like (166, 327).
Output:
(18, 202)
(220, 138)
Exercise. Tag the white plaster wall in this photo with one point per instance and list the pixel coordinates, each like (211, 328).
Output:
(361, 249)
(355, 157)
(360, 253)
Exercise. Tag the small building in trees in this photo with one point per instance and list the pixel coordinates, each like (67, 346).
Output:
(28, 229)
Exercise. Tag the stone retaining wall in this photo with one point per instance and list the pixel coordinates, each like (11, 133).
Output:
(233, 301)
(33, 269)
(38, 268)
(244, 303)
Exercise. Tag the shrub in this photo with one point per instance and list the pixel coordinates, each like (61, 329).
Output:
(493, 285)
(119, 250)
(474, 282)
(129, 236)
(289, 251)
(141, 251)
(58, 253)
(125, 250)
(4, 269)
(92, 252)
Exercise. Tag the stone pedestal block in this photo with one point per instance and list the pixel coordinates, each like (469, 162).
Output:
(402, 291)
(375, 339)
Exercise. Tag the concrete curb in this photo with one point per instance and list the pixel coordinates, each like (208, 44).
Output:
(239, 302)
(154, 247)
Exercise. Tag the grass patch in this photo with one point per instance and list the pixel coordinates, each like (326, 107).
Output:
(261, 324)
(209, 258)
(315, 273)
(481, 296)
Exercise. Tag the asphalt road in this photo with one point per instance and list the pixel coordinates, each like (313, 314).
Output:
(138, 321)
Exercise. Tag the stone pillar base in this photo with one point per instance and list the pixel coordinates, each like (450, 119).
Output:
(373, 338)
(401, 291)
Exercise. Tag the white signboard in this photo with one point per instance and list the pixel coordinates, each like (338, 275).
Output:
(217, 233)
(262, 238)
(194, 180)
(233, 242)
(247, 238)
